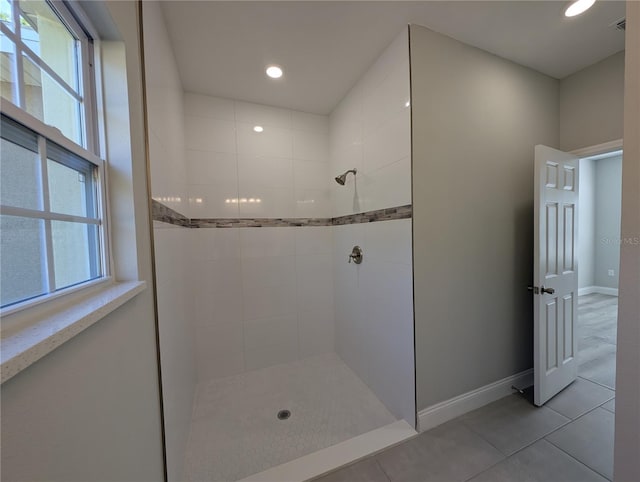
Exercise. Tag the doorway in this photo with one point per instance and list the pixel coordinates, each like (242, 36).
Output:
(599, 261)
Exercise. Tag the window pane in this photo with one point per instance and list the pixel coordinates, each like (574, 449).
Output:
(71, 191)
(7, 56)
(49, 102)
(75, 256)
(7, 86)
(20, 175)
(23, 272)
(44, 33)
(6, 15)
(50, 39)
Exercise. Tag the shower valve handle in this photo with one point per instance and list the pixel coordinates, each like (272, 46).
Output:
(356, 255)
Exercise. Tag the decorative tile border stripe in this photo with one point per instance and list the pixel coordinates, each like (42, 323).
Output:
(167, 215)
(162, 213)
(259, 222)
(387, 214)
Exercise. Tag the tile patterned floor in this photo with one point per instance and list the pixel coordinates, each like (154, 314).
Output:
(570, 439)
(597, 323)
(235, 431)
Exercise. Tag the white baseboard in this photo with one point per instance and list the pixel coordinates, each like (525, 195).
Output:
(603, 290)
(444, 411)
(336, 456)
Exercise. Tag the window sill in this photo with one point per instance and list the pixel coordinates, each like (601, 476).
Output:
(21, 348)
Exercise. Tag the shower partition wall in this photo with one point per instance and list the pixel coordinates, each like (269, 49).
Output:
(272, 345)
(370, 130)
(167, 168)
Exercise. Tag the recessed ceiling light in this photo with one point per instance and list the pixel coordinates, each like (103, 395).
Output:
(578, 7)
(258, 128)
(274, 71)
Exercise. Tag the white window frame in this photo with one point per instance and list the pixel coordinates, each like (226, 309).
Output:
(93, 131)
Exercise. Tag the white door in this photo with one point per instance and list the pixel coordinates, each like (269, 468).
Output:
(555, 284)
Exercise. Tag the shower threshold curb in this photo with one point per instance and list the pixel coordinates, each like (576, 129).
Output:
(337, 456)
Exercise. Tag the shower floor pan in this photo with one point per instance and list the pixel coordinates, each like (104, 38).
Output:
(236, 430)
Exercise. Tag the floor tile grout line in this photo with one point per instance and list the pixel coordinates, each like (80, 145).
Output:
(503, 459)
(597, 383)
(561, 414)
(575, 419)
(480, 435)
(375, 458)
(577, 460)
(528, 444)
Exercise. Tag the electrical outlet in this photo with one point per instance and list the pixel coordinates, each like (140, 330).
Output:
(612, 272)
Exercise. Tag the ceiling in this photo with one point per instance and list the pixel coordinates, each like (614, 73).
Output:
(222, 48)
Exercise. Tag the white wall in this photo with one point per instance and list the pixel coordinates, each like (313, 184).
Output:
(370, 130)
(608, 191)
(89, 411)
(476, 120)
(586, 223)
(263, 295)
(591, 104)
(171, 243)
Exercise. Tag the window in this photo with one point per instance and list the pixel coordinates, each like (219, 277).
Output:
(52, 233)
(45, 59)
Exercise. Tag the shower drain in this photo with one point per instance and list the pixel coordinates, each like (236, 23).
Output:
(284, 414)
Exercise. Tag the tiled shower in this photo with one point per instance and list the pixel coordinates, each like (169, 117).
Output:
(259, 307)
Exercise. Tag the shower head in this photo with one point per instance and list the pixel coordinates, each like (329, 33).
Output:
(343, 177)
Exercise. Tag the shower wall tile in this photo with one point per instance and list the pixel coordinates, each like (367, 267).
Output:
(314, 282)
(217, 299)
(310, 174)
(343, 155)
(316, 332)
(271, 142)
(210, 200)
(176, 331)
(266, 293)
(210, 107)
(312, 203)
(387, 143)
(388, 94)
(311, 145)
(168, 179)
(371, 131)
(211, 244)
(168, 184)
(265, 242)
(219, 350)
(275, 202)
(277, 272)
(270, 341)
(207, 134)
(389, 241)
(263, 115)
(310, 122)
(389, 186)
(374, 310)
(205, 167)
(273, 172)
(313, 240)
(275, 283)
